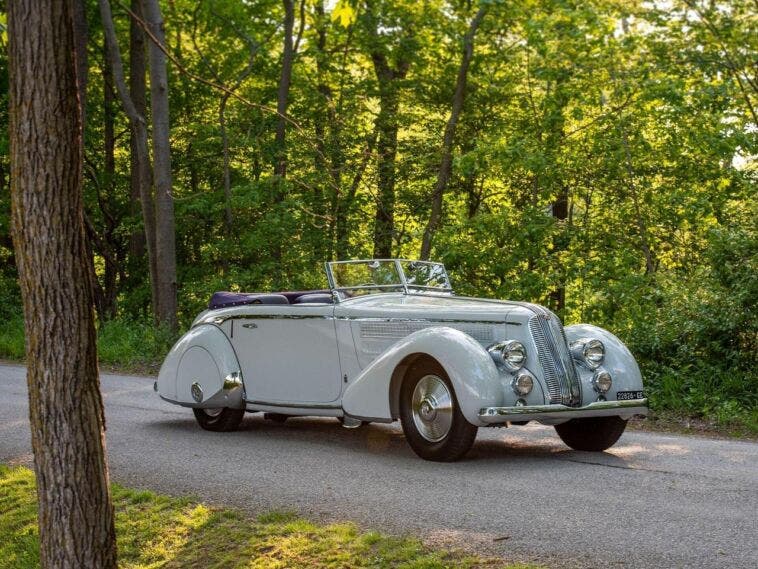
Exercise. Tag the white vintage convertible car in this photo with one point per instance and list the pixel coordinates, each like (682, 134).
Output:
(389, 340)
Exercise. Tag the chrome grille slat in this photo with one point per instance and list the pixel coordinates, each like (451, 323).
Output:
(555, 359)
(548, 369)
(396, 330)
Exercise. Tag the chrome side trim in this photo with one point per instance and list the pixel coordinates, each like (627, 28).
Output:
(293, 405)
(219, 320)
(421, 320)
(492, 415)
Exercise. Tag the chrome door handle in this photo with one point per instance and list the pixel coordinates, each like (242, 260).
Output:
(250, 325)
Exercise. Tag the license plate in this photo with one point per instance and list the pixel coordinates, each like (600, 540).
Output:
(629, 395)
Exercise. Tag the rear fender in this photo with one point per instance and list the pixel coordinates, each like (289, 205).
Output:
(202, 370)
(375, 392)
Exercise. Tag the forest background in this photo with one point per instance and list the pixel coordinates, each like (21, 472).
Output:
(598, 157)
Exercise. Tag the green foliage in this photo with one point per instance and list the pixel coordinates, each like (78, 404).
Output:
(131, 344)
(159, 531)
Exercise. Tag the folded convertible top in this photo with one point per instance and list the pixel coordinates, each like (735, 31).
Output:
(224, 299)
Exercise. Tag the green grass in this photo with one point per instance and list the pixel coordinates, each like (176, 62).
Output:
(159, 531)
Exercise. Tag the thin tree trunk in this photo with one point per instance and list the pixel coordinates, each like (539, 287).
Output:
(82, 65)
(446, 162)
(639, 220)
(388, 78)
(280, 143)
(326, 156)
(65, 405)
(107, 304)
(345, 204)
(139, 136)
(137, 70)
(280, 157)
(165, 237)
(386, 124)
(560, 211)
(228, 219)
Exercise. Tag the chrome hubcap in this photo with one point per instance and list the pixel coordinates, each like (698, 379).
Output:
(432, 406)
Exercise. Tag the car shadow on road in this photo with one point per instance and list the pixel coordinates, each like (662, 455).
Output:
(388, 440)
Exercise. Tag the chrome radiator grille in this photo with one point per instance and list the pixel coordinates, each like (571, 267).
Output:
(555, 359)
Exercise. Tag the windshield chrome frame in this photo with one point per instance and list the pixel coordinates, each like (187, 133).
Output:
(398, 267)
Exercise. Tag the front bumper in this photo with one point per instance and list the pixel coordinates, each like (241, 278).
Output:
(626, 409)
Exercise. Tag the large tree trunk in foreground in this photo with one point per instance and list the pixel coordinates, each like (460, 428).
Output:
(65, 405)
(446, 162)
(165, 237)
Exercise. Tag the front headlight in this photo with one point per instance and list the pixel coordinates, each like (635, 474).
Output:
(589, 350)
(511, 353)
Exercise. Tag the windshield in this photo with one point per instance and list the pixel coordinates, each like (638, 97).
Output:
(356, 278)
(425, 275)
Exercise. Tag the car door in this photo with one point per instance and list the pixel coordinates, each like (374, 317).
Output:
(288, 354)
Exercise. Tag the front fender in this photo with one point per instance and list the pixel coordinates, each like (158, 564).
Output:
(203, 356)
(618, 361)
(470, 368)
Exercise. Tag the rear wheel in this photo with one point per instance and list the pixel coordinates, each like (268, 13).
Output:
(432, 421)
(592, 434)
(221, 419)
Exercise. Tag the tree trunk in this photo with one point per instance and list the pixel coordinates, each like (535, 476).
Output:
(137, 70)
(647, 251)
(65, 406)
(228, 219)
(228, 216)
(344, 204)
(280, 146)
(384, 221)
(165, 237)
(560, 211)
(82, 65)
(139, 136)
(322, 115)
(386, 127)
(280, 156)
(446, 162)
(388, 78)
(107, 302)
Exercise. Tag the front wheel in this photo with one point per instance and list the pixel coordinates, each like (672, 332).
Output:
(593, 433)
(432, 421)
(219, 420)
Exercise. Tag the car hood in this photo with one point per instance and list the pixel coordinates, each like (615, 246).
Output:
(436, 307)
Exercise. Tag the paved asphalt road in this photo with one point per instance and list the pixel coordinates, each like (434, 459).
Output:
(651, 501)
